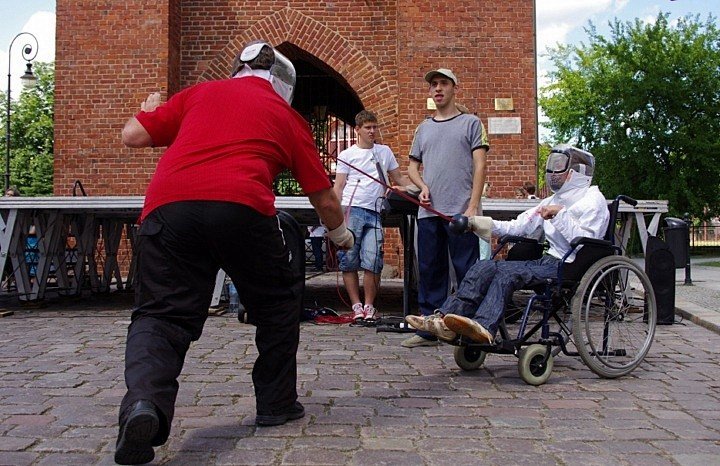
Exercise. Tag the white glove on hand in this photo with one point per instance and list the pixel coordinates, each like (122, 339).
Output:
(342, 237)
(481, 226)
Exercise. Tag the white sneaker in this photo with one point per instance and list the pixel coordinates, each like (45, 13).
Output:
(370, 312)
(358, 311)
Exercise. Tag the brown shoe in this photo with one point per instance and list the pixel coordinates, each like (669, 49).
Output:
(468, 328)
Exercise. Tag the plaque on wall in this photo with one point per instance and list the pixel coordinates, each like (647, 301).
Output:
(504, 104)
(504, 125)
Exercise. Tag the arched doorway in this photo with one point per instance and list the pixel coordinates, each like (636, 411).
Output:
(328, 103)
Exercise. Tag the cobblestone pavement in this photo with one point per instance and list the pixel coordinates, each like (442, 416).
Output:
(368, 400)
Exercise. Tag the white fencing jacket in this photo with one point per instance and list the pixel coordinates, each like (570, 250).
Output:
(585, 213)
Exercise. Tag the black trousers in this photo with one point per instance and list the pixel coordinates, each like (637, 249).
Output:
(180, 248)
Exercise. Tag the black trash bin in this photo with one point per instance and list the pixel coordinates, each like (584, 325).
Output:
(677, 237)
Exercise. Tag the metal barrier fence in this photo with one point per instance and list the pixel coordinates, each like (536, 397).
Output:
(703, 237)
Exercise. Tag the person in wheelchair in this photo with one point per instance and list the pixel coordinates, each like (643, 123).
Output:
(576, 208)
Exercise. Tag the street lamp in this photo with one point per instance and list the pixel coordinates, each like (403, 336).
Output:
(28, 80)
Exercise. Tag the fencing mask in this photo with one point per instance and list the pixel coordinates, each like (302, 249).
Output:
(564, 158)
(262, 60)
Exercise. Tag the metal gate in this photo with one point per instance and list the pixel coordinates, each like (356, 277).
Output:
(327, 102)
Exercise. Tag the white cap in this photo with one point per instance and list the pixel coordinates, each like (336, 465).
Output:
(443, 72)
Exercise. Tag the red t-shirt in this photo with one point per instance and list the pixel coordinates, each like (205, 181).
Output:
(228, 140)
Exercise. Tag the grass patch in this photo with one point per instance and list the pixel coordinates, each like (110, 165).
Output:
(710, 264)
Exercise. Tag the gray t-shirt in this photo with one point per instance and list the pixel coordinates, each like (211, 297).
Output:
(445, 150)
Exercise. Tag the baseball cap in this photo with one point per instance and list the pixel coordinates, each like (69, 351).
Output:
(443, 72)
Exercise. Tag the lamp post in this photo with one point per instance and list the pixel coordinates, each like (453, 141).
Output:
(28, 79)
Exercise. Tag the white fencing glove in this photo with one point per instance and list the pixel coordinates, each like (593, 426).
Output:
(342, 237)
(481, 226)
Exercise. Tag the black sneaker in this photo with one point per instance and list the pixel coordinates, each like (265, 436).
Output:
(295, 411)
(134, 443)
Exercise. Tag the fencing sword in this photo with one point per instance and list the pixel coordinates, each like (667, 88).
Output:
(458, 223)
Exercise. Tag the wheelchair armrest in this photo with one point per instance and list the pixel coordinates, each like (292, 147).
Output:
(504, 239)
(593, 249)
(580, 240)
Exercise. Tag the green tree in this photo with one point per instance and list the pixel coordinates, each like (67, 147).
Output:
(31, 134)
(646, 102)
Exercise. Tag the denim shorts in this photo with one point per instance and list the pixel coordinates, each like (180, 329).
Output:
(367, 253)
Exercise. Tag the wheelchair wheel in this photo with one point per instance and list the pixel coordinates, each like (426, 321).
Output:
(469, 358)
(531, 367)
(614, 315)
(515, 308)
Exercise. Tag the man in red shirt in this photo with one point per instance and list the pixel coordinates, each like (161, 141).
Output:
(210, 205)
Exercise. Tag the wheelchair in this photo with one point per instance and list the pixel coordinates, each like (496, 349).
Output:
(600, 307)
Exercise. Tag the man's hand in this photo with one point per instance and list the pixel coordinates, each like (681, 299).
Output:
(342, 237)
(424, 196)
(471, 211)
(151, 103)
(481, 226)
(549, 211)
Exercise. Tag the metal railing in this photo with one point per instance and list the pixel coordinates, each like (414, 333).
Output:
(703, 237)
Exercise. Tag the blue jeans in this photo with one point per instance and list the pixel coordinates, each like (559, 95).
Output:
(434, 242)
(489, 284)
(317, 248)
(367, 252)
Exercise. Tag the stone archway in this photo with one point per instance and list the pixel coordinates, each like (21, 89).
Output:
(291, 29)
(352, 81)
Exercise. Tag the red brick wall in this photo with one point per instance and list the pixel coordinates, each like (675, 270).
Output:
(111, 54)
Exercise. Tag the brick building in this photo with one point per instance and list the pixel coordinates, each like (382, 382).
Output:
(350, 54)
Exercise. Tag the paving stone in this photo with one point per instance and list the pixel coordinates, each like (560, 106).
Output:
(30, 420)
(458, 458)
(519, 459)
(246, 457)
(698, 459)
(570, 446)
(37, 431)
(316, 456)
(18, 458)
(69, 445)
(330, 443)
(687, 429)
(8, 443)
(55, 459)
(386, 457)
(650, 460)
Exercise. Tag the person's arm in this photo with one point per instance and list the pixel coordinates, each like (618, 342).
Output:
(589, 217)
(414, 175)
(478, 182)
(528, 224)
(340, 181)
(397, 179)
(134, 133)
(327, 206)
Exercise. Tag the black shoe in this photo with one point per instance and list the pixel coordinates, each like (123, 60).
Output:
(295, 411)
(134, 444)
